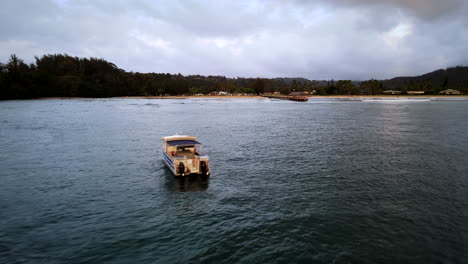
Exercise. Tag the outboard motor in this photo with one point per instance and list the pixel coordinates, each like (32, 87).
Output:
(203, 167)
(181, 168)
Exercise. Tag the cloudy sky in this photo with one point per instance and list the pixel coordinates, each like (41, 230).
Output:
(316, 39)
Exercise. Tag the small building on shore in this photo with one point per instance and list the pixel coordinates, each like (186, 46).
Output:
(415, 92)
(450, 92)
(392, 92)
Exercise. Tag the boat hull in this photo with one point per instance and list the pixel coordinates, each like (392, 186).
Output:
(172, 162)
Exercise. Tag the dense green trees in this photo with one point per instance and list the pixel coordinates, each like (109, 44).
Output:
(345, 87)
(15, 79)
(371, 87)
(61, 75)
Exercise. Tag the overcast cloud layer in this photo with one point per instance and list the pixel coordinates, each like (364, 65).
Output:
(322, 39)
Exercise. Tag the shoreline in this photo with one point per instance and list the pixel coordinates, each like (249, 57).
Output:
(258, 97)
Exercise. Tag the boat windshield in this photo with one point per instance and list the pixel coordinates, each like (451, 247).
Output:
(184, 150)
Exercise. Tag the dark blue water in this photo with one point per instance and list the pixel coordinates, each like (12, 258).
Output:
(328, 181)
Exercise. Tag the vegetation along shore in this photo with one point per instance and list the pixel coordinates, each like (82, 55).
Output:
(64, 76)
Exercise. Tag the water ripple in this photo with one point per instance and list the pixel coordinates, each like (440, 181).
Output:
(327, 181)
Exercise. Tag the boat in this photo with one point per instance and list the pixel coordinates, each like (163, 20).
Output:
(182, 155)
(298, 96)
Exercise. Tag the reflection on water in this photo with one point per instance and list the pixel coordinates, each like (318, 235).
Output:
(192, 183)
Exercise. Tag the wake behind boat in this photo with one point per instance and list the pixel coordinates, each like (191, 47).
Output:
(182, 155)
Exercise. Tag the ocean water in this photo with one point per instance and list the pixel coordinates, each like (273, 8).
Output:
(327, 181)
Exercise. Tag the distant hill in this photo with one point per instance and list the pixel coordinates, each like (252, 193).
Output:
(454, 78)
(289, 81)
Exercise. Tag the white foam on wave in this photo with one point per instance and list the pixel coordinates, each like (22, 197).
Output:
(395, 100)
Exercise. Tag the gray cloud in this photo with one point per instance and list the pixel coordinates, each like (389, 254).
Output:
(341, 39)
(424, 9)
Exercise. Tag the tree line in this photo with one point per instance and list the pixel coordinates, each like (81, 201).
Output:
(61, 75)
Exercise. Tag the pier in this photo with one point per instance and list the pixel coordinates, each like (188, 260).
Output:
(294, 96)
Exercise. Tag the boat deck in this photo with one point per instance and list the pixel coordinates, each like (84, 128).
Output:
(186, 154)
